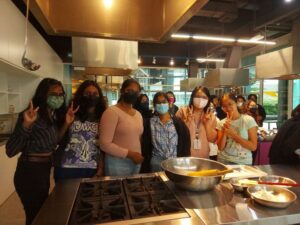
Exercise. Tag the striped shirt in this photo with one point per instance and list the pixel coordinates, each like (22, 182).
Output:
(164, 138)
(40, 138)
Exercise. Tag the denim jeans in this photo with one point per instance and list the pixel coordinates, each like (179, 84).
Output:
(155, 163)
(115, 166)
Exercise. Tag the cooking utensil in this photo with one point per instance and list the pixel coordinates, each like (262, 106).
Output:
(177, 169)
(27, 63)
(209, 172)
(273, 179)
(241, 184)
(271, 196)
(285, 185)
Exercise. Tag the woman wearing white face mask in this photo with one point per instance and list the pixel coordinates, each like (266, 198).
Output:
(164, 136)
(200, 121)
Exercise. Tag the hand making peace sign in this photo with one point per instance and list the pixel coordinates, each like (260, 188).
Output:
(30, 115)
(70, 116)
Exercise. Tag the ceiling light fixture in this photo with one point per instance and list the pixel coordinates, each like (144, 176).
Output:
(250, 41)
(107, 3)
(213, 38)
(153, 60)
(172, 62)
(180, 36)
(139, 61)
(255, 40)
(288, 0)
(210, 60)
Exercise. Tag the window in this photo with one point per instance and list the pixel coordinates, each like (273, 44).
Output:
(296, 93)
(163, 79)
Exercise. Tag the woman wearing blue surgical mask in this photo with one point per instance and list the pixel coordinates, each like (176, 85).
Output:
(164, 136)
(36, 135)
(200, 121)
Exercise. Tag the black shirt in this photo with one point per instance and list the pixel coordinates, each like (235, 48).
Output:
(286, 141)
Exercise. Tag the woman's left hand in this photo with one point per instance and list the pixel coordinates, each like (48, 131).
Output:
(70, 116)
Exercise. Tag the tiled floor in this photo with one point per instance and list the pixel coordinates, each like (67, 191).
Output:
(11, 211)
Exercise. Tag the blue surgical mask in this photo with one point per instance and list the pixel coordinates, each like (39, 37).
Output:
(162, 108)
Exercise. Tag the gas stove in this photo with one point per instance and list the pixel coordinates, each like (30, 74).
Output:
(127, 200)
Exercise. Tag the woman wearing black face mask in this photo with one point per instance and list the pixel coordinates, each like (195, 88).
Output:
(79, 155)
(142, 105)
(121, 128)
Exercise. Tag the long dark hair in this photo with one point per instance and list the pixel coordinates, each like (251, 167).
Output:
(40, 100)
(137, 105)
(205, 91)
(127, 83)
(83, 109)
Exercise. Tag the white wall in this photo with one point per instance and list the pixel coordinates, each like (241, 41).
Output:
(12, 30)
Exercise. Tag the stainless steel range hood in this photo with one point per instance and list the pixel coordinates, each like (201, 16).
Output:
(282, 64)
(104, 56)
(190, 83)
(226, 77)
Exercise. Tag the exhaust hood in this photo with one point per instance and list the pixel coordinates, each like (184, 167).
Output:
(282, 64)
(104, 56)
(226, 77)
(190, 83)
(142, 20)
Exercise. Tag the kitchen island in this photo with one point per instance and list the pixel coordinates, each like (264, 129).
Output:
(220, 206)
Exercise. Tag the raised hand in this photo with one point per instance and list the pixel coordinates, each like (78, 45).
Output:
(228, 120)
(70, 116)
(207, 116)
(30, 115)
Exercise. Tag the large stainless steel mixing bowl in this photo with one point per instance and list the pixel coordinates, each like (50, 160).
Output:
(176, 169)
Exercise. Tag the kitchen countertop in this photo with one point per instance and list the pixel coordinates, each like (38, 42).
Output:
(219, 206)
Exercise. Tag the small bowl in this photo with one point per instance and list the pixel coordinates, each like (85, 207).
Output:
(272, 196)
(277, 179)
(235, 182)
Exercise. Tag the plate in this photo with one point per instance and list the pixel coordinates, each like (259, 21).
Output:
(243, 171)
(271, 196)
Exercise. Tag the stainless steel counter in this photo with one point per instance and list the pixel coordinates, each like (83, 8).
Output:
(219, 206)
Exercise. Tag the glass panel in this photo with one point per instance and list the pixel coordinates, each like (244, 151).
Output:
(163, 79)
(296, 93)
(270, 97)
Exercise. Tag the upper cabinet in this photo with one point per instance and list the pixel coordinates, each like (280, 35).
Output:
(17, 85)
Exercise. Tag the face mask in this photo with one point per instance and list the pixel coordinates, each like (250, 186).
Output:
(240, 104)
(200, 102)
(90, 100)
(171, 99)
(130, 97)
(253, 109)
(55, 102)
(144, 105)
(162, 108)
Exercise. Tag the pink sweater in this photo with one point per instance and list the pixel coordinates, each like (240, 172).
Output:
(120, 132)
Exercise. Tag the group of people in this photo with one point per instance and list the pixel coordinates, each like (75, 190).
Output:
(88, 139)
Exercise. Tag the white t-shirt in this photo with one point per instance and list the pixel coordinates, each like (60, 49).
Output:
(234, 152)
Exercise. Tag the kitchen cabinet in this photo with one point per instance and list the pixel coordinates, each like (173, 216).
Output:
(7, 168)
(16, 88)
